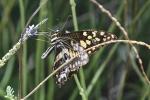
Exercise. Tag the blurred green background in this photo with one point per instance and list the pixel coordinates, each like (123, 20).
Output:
(112, 73)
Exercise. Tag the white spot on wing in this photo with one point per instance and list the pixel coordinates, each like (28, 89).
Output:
(104, 39)
(94, 33)
(97, 39)
(112, 36)
(102, 33)
(67, 31)
(89, 37)
(88, 42)
(108, 38)
(83, 44)
(85, 33)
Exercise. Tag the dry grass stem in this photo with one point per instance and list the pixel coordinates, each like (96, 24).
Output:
(125, 33)
(16, 47)
(96, 46)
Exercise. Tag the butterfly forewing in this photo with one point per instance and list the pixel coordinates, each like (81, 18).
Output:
(91, 38)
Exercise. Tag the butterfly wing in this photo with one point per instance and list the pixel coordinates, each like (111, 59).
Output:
(90, 38)
(63, 55)
(73, 45)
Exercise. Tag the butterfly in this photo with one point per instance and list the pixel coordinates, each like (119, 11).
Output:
(73, 44)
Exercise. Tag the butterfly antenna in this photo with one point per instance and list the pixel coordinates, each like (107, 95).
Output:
(51, 30)
(66, 22)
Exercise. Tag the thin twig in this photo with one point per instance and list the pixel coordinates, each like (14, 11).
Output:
(125, 33)
(96, 46)
(121, 41)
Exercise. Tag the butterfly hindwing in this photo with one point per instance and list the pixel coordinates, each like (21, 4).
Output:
(63, 55)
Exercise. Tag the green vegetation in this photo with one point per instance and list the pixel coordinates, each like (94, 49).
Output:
(113, 72)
